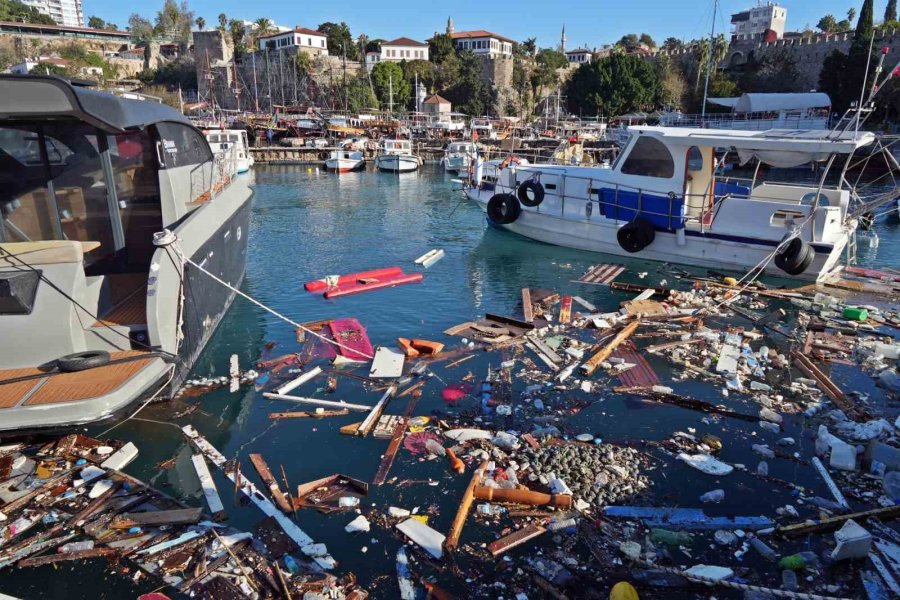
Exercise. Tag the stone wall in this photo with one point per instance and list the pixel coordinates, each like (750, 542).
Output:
(213, 58)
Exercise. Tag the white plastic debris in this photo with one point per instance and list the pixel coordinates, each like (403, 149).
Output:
(853, 541)
(359, 524)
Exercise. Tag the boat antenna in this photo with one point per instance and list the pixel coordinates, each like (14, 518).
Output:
(710, 58)
(862, 91)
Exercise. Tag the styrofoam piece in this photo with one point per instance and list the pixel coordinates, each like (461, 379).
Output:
(122, 458)
(430, 540)
(853, 541)
(706, 463)
(388, 363)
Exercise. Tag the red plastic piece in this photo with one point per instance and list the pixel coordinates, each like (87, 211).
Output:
(349, 333)
(387, 282)
(319, 285)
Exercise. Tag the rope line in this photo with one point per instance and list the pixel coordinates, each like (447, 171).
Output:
(266, 308)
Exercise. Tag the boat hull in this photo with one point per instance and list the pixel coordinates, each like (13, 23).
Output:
(455, 164)
(694, 248)
(344, 165)
(397, 163)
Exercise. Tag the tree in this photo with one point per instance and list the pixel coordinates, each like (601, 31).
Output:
(843, 77)
(613, 85)
(201, 23)
(95, 22)
(647, 40)
(553, 59)
(48, 69)
(388, 81)
(843, 25)
(672, 86)
(529, 47)
(890, 11)
(141, 29)
(13, 10)
(236, 28)
(774, 73)
(174, 21)
(374, 45)
(223, 22)
(629, 41)
(470, 93)
(827, 24)
(421, 69)
(851, 14)
(359, 95)
(340, 40)
(672, 43)
(442, 52)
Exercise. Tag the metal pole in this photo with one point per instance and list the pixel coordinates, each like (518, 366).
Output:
(709, 61)
(255, 89)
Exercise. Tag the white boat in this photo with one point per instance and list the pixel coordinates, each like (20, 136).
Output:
(662, 200)
(345, 161)
(233, 144)
(458, 156)
(397, 157)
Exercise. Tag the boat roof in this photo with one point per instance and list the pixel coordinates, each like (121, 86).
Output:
(753, 102)
(29, 97)
(793, 140)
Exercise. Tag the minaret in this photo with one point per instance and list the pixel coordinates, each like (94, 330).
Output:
(562, 45)
(450, 29)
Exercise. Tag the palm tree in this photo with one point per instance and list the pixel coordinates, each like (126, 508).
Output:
(201, 23)
(262, 26)
(851, 14)
(223, 22)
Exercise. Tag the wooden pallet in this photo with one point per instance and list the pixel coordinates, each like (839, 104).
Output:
(602, 274)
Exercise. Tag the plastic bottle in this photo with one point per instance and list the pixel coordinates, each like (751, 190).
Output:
(794, 562)
(855, 314)
(713, 496)
(789, 580)
(764, 549)
(490, 510)
(348, 501)
(670, 538)
(762, 468)
(76, 546)
(569, 525)
(760, 387)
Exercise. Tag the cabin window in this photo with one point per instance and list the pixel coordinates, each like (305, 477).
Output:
(649, 157)
(182, 145)
(694, 159)
(136, 174)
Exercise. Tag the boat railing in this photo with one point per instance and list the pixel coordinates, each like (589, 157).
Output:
(756, 121)
(670, 209)
(210, 178)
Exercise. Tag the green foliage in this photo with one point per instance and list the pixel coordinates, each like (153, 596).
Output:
(238, 33)
(629, 41)
(528, 48)
(387, 76)
(470, 93)
(613, 85)
(174, 21)
(201, 23)
(772, 74)
(178, 73)
(303, 62)
(890, 11)
(843, 25)
(647, 40)
(141, 29)
(442, 52)
(827, 24)
(7, 58)
(95, 22)
(843, 77)
(223, 22)
(49, 70)
(374, 45)
(13, 10)
(340, 41)
(424, 69)
(672, 85)
(552, 59)
(359, 95)
(672, 43)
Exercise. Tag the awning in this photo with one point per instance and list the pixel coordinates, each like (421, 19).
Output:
(774, 102)
(729, 102)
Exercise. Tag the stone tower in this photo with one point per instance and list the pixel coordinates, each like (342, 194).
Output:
(450, 28)
(562, 41)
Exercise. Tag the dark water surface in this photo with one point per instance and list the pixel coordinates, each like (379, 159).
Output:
(309, 224)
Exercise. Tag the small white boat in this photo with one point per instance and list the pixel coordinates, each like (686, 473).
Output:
(397, 157)
(345, 161)
(233, 144)
(663, 199)
(458, 156)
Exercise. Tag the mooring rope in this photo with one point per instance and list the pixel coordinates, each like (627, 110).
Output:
(266, 308)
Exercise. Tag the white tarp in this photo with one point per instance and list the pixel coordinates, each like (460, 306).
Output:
(751, 103)
(729, 102)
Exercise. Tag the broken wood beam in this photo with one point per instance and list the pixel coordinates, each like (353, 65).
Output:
(527, 307)
(521, 497)
(685, 402)
(677, 343)
(593, 362)
(392, 449)
(565, 309)
(464, 506)
(806, 366)
(831, 523)
(516, 538)
(329, 403)
(155, 518)
(369, 422)
(308, 415)
(38, 561)
(259, 463)
(216, 508)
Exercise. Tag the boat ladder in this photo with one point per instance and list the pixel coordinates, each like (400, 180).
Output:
(852, 247)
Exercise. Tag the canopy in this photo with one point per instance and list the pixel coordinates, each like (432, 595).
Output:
(774, 102)
(729, 102)
(776, 147)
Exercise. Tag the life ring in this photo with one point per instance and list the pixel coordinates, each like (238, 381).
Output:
(636, 235)
(796, 257)
(82, 361)
(531, 193)
(509, 160)
(503, 209)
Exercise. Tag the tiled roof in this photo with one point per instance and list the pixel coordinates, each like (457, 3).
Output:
(435, 99)
(479, 33)
(403, 41)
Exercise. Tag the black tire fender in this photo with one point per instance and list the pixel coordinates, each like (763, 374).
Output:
(796, 257)
(82, 361)
(503, 209)
(636, 235)
(530, 193)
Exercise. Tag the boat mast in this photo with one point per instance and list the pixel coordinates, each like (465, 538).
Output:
(391, 94)
(710, 58)
(344, 81)
(255, 88)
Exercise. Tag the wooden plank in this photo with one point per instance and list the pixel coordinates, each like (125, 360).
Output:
(350, 429)
(391, 452)
(308, 415)
(805, 365)
(369, 422)
(601, 274)
(64, 556)
(587, 305)
(565, 309)
(509, 321)
(515, 538)
(154, 518)
(385, 427)
(209, 488)
(832, 523)
(259, 463)
(464, 506)
(592, 363)
(527, 308)
(545, 349)
(677, 343)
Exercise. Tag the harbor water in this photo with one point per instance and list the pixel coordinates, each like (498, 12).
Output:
(307, 224)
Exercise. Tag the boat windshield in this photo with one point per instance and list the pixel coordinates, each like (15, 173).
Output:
(70, 181)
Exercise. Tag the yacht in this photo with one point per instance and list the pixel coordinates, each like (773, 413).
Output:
(103, 201)
(396, 157)
(662, 199)
(233, 144)
(345, 161)
(458, 156)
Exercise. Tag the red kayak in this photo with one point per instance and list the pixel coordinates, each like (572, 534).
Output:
(319, 285)
(386, 282)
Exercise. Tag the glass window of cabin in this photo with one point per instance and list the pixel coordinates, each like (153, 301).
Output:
(649, 157)
(182, 145)
(694, 159)
(25, 203)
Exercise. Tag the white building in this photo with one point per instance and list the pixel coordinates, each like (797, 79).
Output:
(579, 56)
(403, 49)
(483, 43)
(756, 22)
(63, 12)
(305, 40)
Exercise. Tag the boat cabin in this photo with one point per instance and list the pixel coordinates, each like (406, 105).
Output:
(461, 148)
(230, 141)
(397, 147)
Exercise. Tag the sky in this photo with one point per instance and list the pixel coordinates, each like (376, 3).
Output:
(589, 23)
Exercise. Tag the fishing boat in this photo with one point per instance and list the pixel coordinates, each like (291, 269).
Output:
(458, 156)
(103, 203)
(233, 144)
(396, 157)
(345, 161)
(663, 200)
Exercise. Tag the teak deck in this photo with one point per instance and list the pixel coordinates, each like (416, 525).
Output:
(55, 388)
